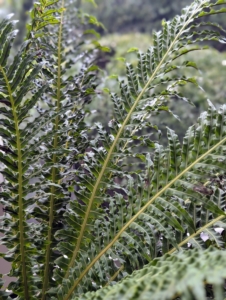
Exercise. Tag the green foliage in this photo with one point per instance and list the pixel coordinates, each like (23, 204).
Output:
(114, 67)
(120, 44)
(209, 75)
(96, 218)
(158, 280)
(25, 84)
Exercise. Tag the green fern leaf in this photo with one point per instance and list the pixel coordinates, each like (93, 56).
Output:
(140, 98)
(188, 278)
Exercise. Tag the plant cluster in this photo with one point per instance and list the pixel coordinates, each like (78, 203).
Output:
(101, 209)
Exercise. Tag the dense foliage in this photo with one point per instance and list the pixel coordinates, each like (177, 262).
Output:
(100, 207)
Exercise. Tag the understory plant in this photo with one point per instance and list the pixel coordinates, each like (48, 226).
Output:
(109, 213)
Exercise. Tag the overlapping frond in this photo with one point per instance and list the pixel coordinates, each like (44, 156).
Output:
(113, 221)
(19, 94)
(43, 132)
(65, 136)
(188, 275)
(180, 207)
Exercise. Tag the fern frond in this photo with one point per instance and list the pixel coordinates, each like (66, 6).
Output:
(52, 140)
(22, 87)
(97, 190)
(183, 276)
(20, 243)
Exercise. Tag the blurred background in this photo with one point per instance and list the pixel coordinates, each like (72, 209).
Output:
(130, 23)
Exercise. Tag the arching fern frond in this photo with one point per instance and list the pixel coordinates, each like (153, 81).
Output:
(142, 227)
(175, 209)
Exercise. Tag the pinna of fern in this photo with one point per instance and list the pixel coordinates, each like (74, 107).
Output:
(121, 219)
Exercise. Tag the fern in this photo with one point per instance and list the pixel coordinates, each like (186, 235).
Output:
(129, 207)
(25, 144)
(159, 281)
(176, 215)
(17, 82)
(136, 104)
